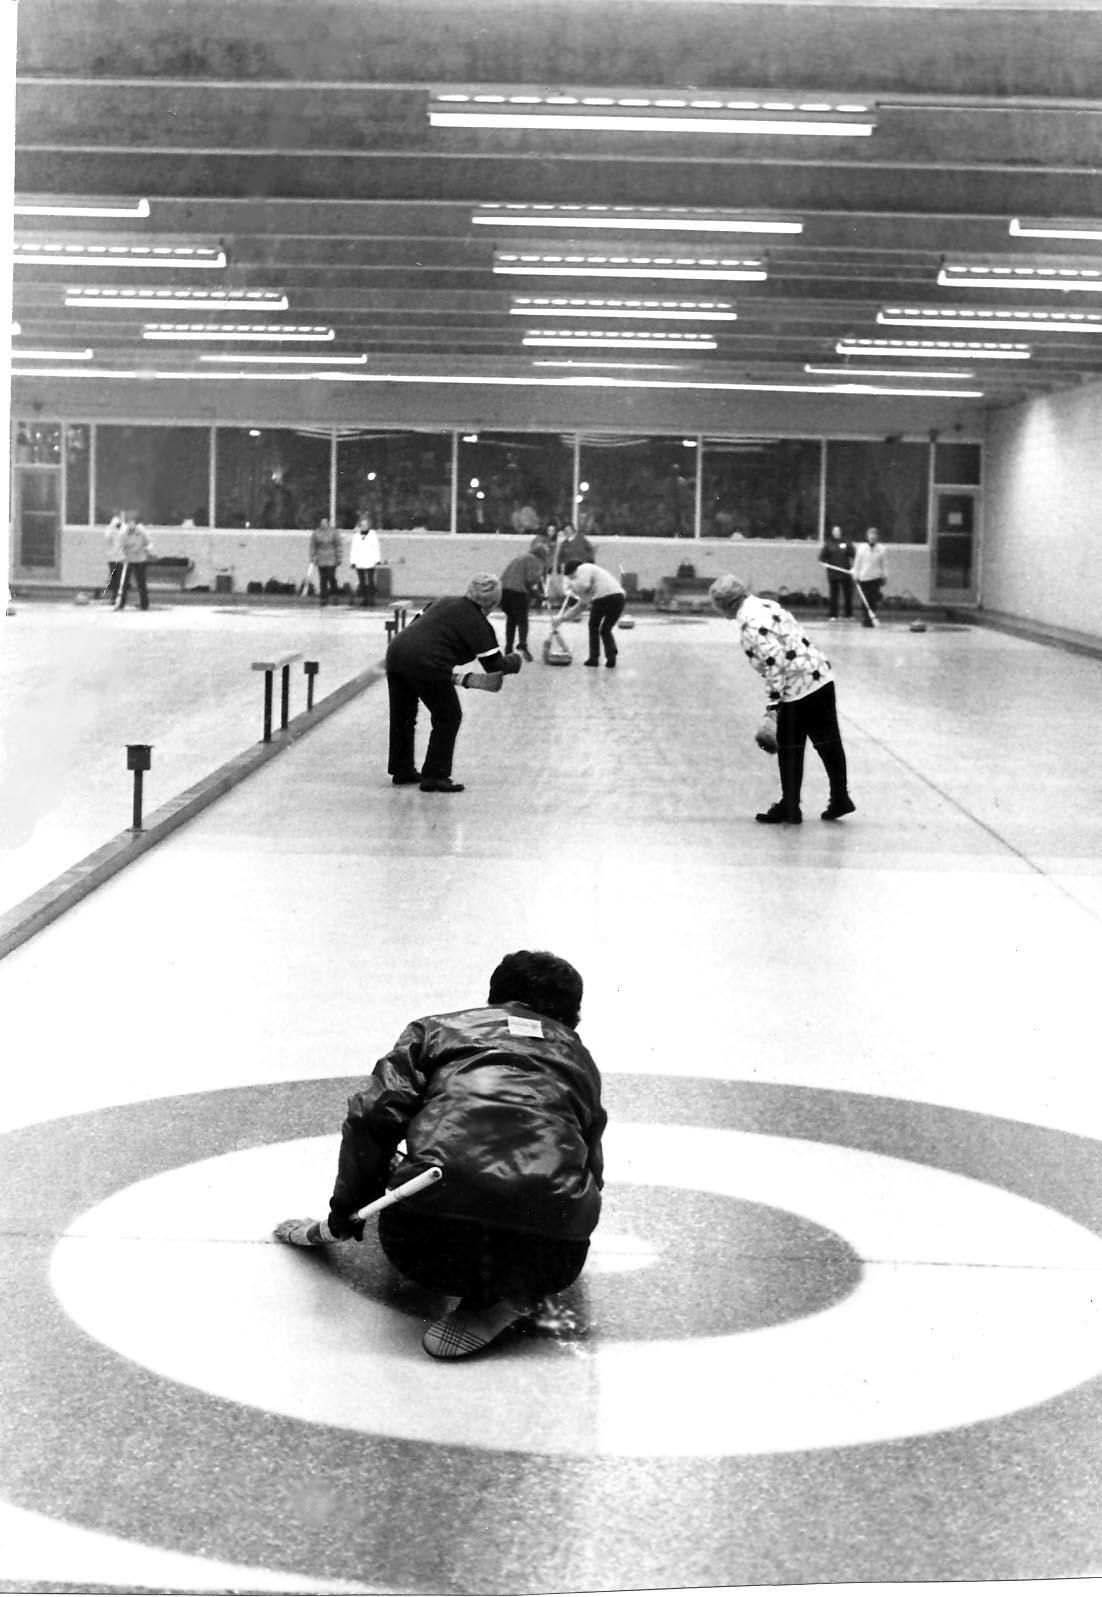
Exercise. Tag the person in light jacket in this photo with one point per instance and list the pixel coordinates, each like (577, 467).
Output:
(505, 1100)
(587, 584)
(870, 572)
(364, 554)
(325, 552)
(112, 539)
(134, 551)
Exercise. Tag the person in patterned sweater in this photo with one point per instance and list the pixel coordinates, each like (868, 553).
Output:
(801, 701)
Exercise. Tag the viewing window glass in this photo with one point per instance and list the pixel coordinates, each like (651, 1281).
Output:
(161, 474)
(400, 480)
(272, 476)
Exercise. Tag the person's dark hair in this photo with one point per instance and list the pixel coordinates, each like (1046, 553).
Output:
(570, 566)
(540, 980)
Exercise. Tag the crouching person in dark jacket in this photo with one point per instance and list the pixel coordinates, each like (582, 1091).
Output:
(505, 1100)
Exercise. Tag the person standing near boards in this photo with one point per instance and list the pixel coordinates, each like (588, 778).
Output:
(113, 540)
(836, 556)
(325, 555)
(134, 551)
(364, 555)
(870, 572)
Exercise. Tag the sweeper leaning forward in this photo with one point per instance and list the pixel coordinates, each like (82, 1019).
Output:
(801, 702)
(422, 667)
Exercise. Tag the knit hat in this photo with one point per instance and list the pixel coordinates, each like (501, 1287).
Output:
(727, 593)
(485, 590)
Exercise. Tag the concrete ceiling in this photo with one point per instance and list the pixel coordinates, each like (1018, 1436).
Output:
(297, 140)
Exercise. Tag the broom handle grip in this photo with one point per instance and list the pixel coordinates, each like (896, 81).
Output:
(427, 1178)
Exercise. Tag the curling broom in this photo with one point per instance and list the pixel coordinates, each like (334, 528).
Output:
(869, 611)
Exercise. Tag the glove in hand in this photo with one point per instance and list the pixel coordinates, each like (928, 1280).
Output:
(766, 735)
(345, 1228)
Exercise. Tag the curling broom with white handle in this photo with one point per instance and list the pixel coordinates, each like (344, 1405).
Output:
(316, 1233)
(869, 611)
(427, 1178)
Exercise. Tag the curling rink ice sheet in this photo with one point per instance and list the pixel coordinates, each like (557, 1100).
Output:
(841, 1318)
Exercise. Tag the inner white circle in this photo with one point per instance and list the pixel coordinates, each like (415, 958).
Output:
(972, 1303)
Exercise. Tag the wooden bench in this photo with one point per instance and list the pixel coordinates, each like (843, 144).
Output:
(168, 571)
(683, 593)
(282, 663)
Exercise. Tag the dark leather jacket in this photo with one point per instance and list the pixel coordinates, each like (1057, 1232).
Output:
(506, 1101)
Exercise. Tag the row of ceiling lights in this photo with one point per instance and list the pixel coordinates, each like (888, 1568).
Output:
(619, 265)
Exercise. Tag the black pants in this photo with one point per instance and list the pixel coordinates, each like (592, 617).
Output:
(814, 717)
(365, 578)
(515, 606)
(872, 590)
(603, 616)
(479, 1263)
(840, 588)
(442, 702)
(327, 582)
(135, 569)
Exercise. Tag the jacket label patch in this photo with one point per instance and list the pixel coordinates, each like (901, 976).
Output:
(520, 1027)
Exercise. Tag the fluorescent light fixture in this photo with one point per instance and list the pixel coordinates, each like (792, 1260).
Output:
(137, 209)
(53, 354)
(1067, 279)
(179, 258)
(999, 320)
(631, 218)
(449, 379)
(614, 365)
(256, 332)
(880, 371)
(214, 299)
(661, 310)
(699, 268)
(547, 338)
(287, 360)
(1074, 227)
(932, 348)
(649, 113)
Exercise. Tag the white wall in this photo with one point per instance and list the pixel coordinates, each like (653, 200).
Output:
(1042, 546)
(426, 564)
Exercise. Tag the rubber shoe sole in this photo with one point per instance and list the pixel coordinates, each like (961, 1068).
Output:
(775, 816)
(834, 812)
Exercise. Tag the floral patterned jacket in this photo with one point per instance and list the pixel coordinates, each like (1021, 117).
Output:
(779, 649)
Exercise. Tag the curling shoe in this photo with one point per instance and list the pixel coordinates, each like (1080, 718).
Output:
(440, 784)
(406, 778)
(465, 1331)
(778, 815)
(839, 807)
